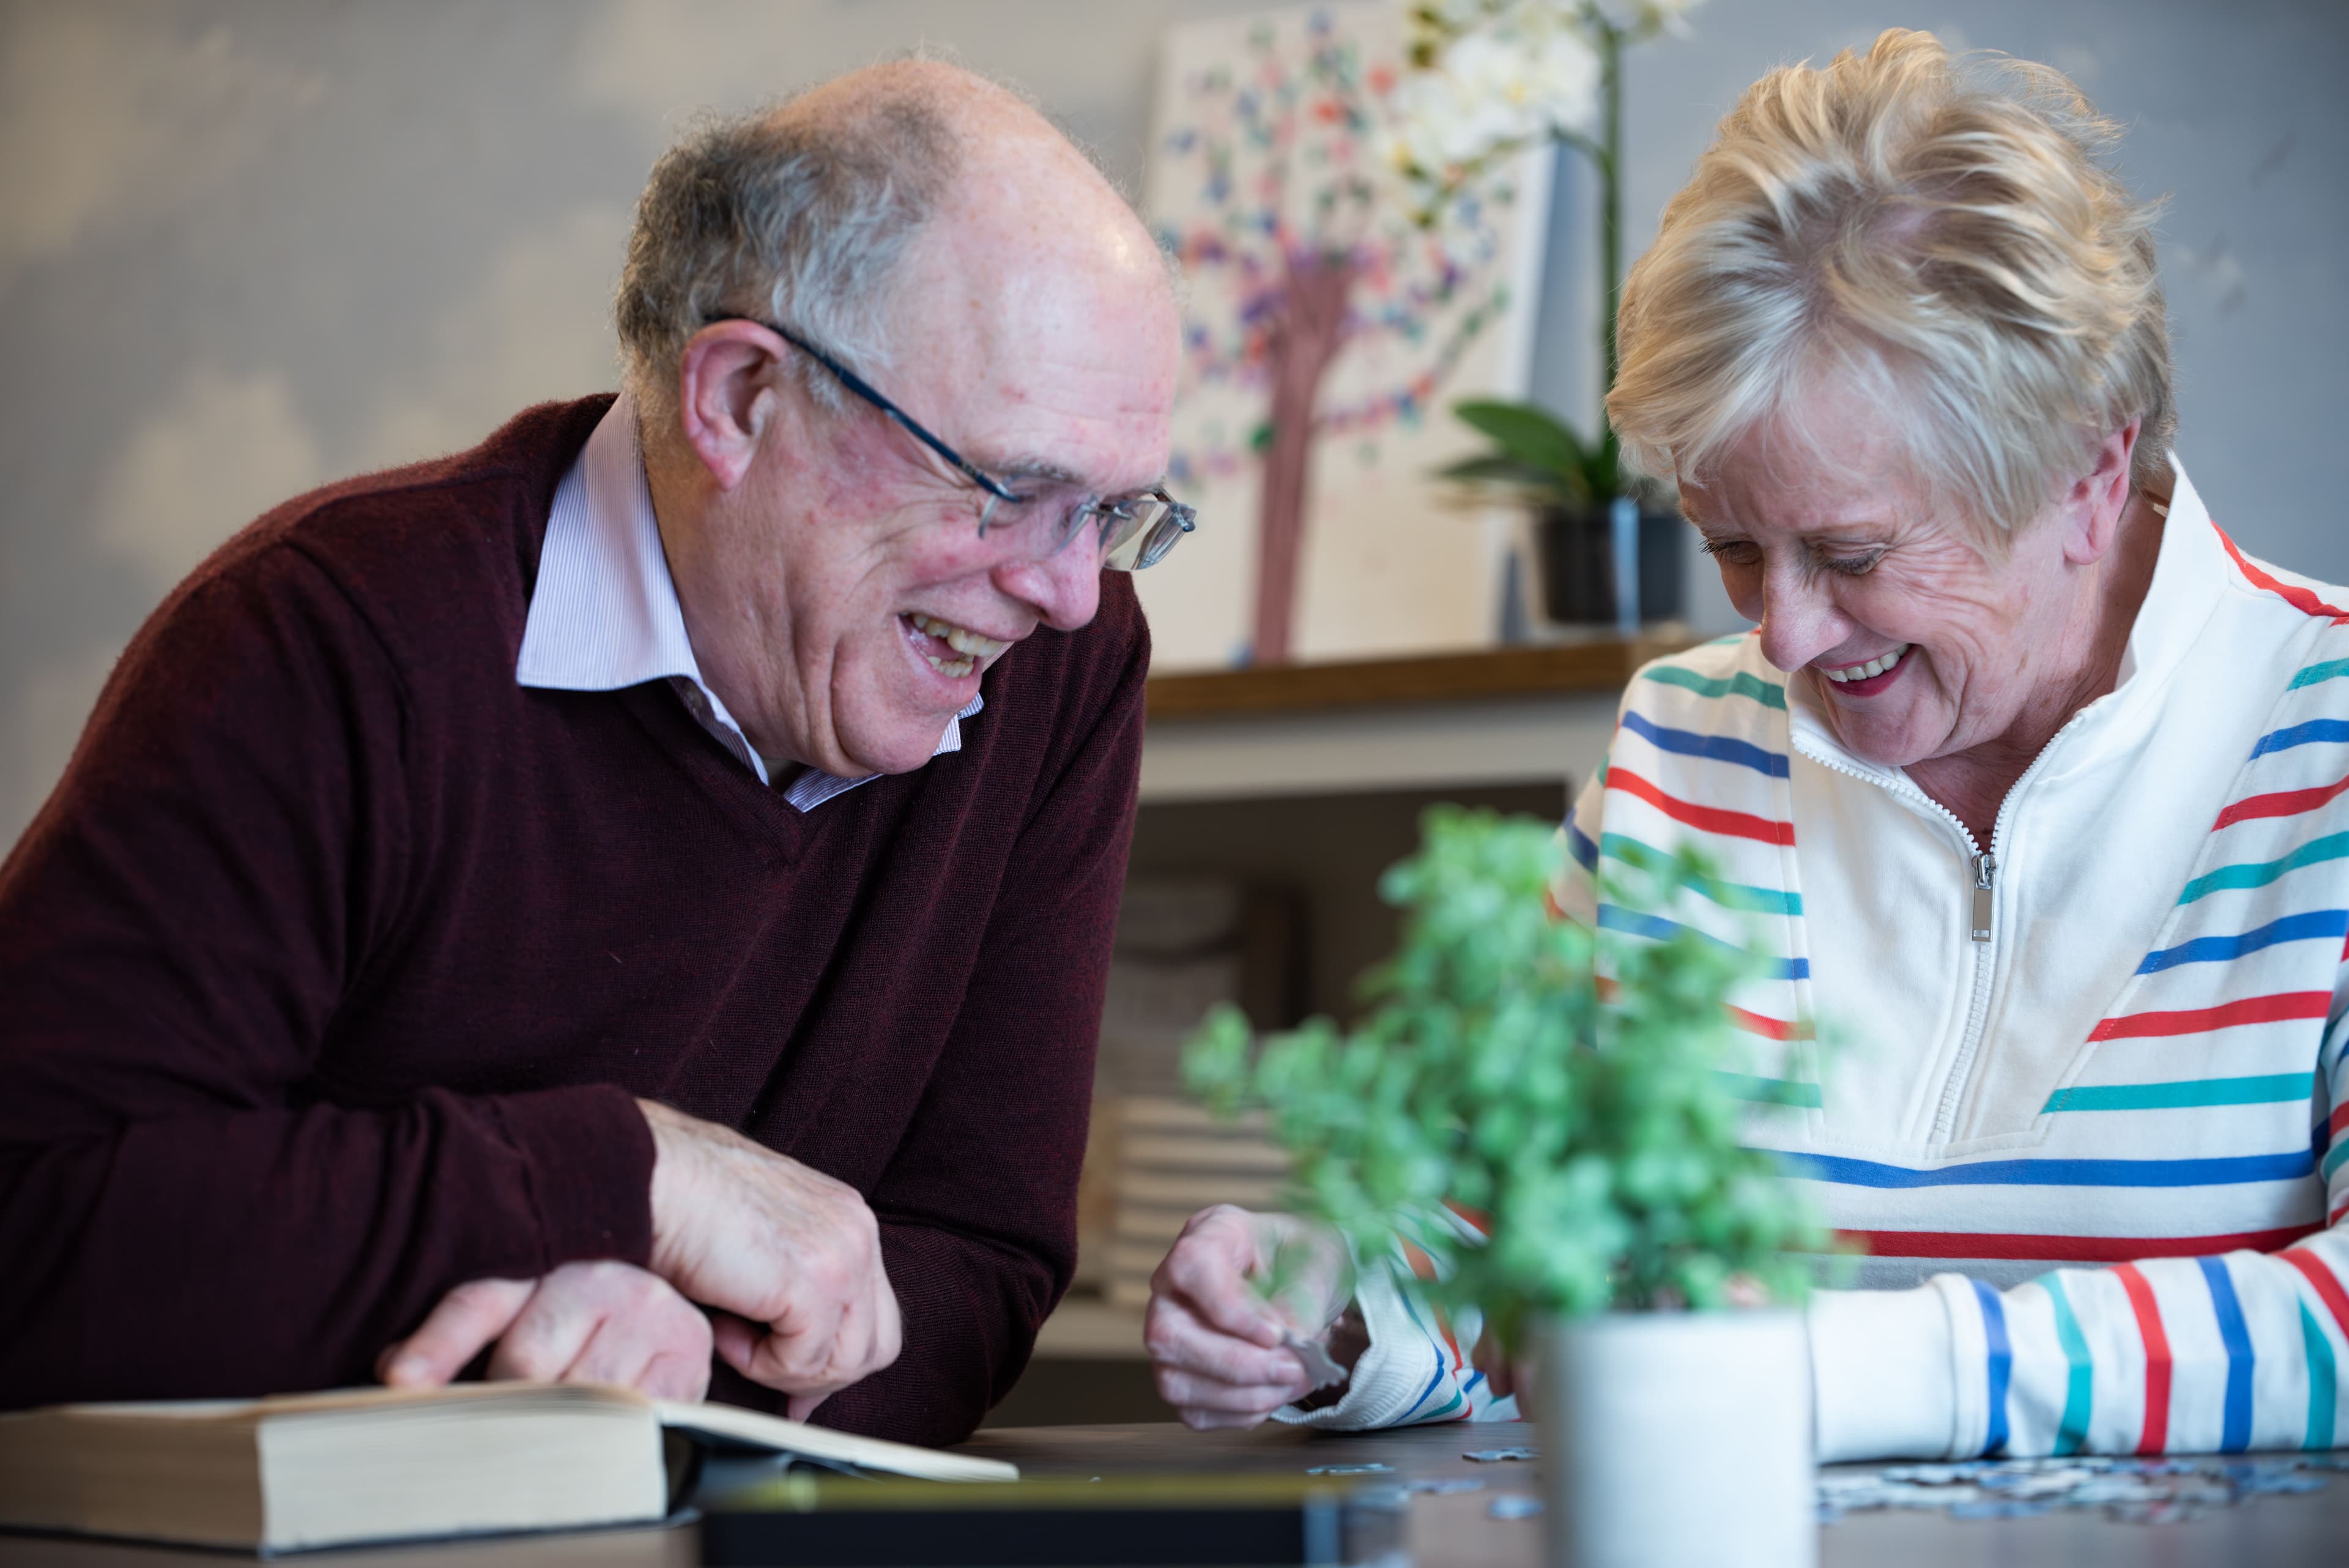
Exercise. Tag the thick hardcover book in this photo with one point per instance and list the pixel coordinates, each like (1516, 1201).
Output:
(309, 1470)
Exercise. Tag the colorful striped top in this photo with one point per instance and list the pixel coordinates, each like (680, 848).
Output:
(2087, 1108)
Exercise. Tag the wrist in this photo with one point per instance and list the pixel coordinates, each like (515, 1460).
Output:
(671, 1175)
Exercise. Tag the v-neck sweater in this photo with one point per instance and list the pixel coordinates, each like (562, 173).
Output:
(333, 965)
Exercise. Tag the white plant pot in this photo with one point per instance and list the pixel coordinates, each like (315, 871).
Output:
(1678, 1440)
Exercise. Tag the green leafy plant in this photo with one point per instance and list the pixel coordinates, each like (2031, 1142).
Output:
(1594, 1143)
(1539, 456)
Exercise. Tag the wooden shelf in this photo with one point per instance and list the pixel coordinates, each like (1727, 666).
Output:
(1086, 1328)
(1548, 670)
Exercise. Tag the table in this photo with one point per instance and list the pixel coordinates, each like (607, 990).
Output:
(1453, 1530)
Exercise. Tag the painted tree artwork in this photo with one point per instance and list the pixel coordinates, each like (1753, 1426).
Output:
(1329, 324)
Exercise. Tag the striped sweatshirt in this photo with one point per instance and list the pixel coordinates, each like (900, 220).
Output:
(2086, 1112)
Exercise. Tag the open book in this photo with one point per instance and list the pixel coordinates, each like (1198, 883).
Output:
(378, 1464)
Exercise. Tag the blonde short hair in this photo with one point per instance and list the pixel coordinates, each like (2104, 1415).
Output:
(1948, 230)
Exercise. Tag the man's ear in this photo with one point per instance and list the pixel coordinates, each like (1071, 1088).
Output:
(2094, 506)
(726, 396)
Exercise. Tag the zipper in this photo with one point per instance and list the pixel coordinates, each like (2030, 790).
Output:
(1982, 864)
(1962, 1066)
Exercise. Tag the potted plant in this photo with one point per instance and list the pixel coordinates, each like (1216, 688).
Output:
(1489, 77)
(1595, 1146)
(1585, 510)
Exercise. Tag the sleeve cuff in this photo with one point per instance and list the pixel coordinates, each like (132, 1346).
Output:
(586, 1155)
(1882, 1374)
(1394, 1375)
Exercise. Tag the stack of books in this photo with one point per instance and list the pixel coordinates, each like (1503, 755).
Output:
(1175, 1159)
(1184, 945)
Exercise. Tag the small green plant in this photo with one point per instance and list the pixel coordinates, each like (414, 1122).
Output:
(1538, 456)
(1593, 1143)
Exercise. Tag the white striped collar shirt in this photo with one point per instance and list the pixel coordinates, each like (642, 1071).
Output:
(604, 613)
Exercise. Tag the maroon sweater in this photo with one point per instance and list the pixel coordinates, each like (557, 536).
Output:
(328, 972)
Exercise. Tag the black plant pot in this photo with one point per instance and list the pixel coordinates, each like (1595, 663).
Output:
(1577, 564)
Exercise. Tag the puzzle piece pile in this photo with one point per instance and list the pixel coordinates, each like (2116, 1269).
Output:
(2146, 1490)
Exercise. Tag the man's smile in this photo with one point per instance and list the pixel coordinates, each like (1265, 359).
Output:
(952, 651)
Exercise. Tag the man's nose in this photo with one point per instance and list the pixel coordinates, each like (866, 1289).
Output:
(1064, 587)
(1799, 621)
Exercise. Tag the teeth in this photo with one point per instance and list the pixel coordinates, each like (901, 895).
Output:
(1874, 666)
(953, 668)
(958, 638)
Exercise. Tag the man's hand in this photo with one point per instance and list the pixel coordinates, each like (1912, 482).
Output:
(793, 1256)
(584, 1322)
(1235, 1284)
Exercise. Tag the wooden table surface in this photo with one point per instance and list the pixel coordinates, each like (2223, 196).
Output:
(1452, 1531)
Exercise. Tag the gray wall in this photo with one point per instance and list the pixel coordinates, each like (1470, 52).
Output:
(245, 247)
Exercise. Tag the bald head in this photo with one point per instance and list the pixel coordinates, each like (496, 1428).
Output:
(811, 213)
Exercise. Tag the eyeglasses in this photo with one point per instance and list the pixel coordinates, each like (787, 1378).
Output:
(1136, 531)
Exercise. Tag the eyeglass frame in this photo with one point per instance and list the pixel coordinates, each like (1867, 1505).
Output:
(1185, 516)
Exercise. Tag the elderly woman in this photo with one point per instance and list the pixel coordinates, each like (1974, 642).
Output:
(2028, 779)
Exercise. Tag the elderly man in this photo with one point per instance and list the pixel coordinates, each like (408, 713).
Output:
(643, 886)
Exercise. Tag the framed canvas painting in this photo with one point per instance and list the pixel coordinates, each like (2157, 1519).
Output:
(1328, 327)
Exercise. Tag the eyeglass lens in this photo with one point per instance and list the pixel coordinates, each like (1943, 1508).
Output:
(1135, 533)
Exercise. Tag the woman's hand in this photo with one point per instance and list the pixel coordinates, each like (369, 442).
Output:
(1234, 1287)
(1504, 1374)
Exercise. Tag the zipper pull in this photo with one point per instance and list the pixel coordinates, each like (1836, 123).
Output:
(1985, 868)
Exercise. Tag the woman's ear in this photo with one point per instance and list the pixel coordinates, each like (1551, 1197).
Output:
(2094, 505)
(726, 396)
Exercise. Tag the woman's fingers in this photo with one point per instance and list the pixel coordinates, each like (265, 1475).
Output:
(1216, 1341)
(1209, 1269)
(1188, 1391)
(469, 1317)
(1500, 1373)
(1175, 1337)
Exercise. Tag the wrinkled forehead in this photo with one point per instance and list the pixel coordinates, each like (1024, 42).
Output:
(1034, 339)
(1833, 445)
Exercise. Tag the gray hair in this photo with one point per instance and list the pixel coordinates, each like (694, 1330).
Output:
(1953, 232)
(797, 218)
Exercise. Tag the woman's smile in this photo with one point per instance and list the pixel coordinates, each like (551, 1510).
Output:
(1869, 676)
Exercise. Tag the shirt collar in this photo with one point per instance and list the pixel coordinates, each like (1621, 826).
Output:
(604, 614)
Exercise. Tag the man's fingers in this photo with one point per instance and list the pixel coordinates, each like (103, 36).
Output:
(811, 1354)
(889, 1342)
(673, 1375)
(734, 1339)
(796, 1364)
(800, 1406)
(627, 1347)
(546, 1341)
(468, 1318)
(800, 1352)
